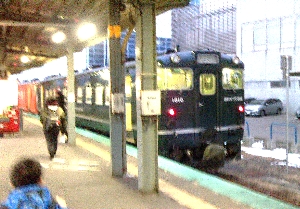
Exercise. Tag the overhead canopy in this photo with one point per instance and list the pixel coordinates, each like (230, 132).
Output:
(26, 26)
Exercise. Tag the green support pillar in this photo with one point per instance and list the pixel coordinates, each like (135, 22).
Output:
(117, 105)
(146, 80)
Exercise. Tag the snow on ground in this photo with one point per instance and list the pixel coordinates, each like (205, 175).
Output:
(278, 153)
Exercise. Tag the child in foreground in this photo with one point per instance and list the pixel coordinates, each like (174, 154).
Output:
(29, 192)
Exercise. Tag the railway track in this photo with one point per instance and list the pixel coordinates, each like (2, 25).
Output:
(264, 175)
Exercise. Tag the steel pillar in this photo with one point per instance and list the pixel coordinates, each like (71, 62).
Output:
(71, 96)
(117, 76)
(146, 80)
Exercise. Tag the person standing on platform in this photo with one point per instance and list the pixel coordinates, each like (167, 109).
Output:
(29, 191)
(61, 102)
(52, 118)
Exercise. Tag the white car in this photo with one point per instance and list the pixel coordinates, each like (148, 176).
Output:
(263, 107)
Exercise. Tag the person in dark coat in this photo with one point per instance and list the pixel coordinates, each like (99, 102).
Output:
(61, 102)
(54, 120)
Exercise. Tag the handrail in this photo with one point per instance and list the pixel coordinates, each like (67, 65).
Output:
(248, 129)
(284, 124)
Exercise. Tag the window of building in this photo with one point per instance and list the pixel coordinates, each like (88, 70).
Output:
(247, 38)
(279, 84)
(273, 33)
(287, 32)
(260, 36)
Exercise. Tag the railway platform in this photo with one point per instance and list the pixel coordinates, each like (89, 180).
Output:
(81, 175)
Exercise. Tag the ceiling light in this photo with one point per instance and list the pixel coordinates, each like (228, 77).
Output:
(24, 59)
(86, 31)
(58, 37)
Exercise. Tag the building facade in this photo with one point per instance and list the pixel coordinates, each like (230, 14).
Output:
(205, 24)
(264, 34)
(98, 55)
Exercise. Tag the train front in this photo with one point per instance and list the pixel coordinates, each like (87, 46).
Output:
(197, 109)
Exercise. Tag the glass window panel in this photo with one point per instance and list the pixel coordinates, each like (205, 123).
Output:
(247, 38)
(232, 79)
(273, 32)
(79, 95)
(260, 35)
(107, 95)
(287, 32)
(174, 78)
(99, 95)
(207, 84)
(88, 94)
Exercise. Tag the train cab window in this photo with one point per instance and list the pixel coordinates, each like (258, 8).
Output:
(207, 84)
(88, 94)
(79, 95)
(99, 95)
(232, 79)
(174, 78)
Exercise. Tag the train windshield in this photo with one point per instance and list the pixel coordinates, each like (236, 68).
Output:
(174, 78)
(232, 79)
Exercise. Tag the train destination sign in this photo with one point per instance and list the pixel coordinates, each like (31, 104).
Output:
(207, 59)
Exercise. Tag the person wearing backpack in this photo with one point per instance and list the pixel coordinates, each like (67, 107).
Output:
(53, 119)
(29, 191)
(62, 103)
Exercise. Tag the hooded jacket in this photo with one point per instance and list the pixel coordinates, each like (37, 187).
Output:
(31, 196)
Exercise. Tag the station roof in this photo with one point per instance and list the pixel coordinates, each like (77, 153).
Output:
(26, 26)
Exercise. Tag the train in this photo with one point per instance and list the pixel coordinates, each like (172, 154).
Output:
(202, 101)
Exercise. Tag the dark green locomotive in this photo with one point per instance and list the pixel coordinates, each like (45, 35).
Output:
(202, 95)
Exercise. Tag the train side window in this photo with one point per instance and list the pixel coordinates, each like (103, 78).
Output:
(207, 84)
(107, 95)
(46, 93)
(88, 94)
(99, 95)
(79, 95)
(232, 79)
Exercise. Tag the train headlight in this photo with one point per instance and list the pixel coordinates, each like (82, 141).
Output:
(172, 112)
(175, 58)
(236, 60)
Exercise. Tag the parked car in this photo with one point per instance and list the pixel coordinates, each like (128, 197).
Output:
(247, 100)
(263, 107)
(298, 113)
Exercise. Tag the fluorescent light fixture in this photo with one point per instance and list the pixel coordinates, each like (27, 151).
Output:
(58, 37)
(24, 59)
(86, 31)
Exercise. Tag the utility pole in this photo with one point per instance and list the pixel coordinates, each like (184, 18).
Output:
(286, 67)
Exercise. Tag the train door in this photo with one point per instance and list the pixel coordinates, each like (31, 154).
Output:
(207, 104)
